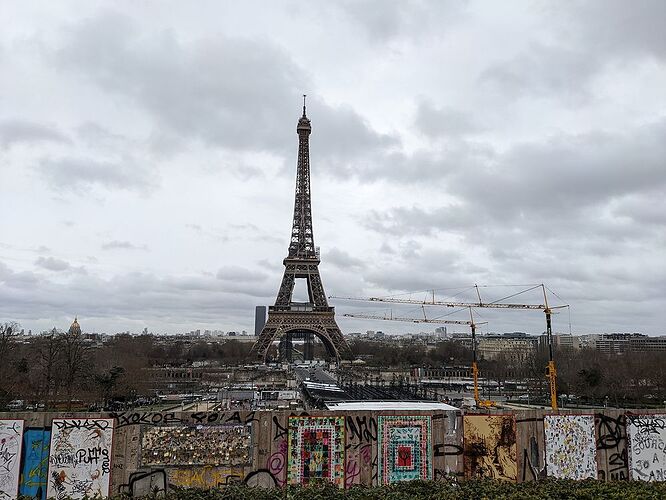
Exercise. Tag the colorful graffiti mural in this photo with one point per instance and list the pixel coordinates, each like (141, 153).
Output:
(197, 445)
(80, 457)
(316, 450)
(647, 447)
(489, 447)
(570, 446)
(404, 448)
(11, 434)
(35, 463)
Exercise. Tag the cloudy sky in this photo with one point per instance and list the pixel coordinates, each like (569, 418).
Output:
(148, 154)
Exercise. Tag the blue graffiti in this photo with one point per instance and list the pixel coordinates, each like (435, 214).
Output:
(36, 443)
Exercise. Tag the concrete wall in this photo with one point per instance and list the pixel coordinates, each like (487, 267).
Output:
(260, 453)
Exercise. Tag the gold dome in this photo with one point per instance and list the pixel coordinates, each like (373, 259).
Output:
(75, 329)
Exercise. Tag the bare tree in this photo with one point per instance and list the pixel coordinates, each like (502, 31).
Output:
(8, 333)
(47, 356)
(74, 357)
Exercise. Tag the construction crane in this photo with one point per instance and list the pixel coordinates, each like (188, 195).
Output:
(475, 368)
(551, 372)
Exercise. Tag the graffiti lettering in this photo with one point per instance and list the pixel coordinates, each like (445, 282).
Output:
(611, 431)
(144, 418)
(277, 462)
(352, 471)
(362, 429)
(205, 417)
(651, 425)
(280, 431)
(81, 423)
(366, 454)
(612, 436)
(93, 456)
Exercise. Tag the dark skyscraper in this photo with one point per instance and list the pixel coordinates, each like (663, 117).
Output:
(259, 319)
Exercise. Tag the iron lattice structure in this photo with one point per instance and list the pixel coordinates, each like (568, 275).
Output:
(287, 317)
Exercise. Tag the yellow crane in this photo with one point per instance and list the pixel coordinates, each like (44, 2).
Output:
(551, 372)
(475, 368)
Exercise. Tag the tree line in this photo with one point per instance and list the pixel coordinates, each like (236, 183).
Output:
(69, 370)
(60, 370)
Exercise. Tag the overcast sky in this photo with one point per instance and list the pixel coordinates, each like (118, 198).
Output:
(148, 156)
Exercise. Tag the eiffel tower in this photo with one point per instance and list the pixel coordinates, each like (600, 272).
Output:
(288, 319)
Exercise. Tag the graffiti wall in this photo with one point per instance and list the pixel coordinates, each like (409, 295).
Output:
(80, 458)
(647, 447)
(570, 446)
(316, 450)
(135, 453)
(489, 443)
(612, 454)
(197, 445)
(11, 436)
(404, 448)
(35, 462)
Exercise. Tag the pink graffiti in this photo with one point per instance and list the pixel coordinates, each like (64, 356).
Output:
(352, 471)
(276, 463)
(366, 454)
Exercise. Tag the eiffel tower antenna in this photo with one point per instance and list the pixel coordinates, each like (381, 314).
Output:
(288, 320)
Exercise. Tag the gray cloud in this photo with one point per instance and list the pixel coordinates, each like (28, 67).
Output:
(590, 37)
(343, 260)
(126, 298)
(122, 245)
(227, 92)
(384, 20)
(568, 172)
(52, 264)
(415, 220)
(80, 174)
(559, 177)
(436, 121)
(14, 131)
(616, 27)
(239, 274)
(545, 70)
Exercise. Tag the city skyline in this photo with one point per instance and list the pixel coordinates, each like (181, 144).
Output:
(144, 148)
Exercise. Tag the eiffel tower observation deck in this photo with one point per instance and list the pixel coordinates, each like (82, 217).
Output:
(289, 320)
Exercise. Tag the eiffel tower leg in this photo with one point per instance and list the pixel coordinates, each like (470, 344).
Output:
(322, 325)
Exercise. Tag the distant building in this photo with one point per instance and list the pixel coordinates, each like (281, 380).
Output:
(259, 319)
(561, 341)
(516, 346)
(608, 343)
(75, 329)
(618, 343)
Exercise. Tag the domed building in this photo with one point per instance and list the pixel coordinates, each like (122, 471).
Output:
(75, 329)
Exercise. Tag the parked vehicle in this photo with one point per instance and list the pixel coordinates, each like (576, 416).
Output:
(15, 405)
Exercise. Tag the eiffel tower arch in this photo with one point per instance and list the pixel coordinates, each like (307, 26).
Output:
(315, 316)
